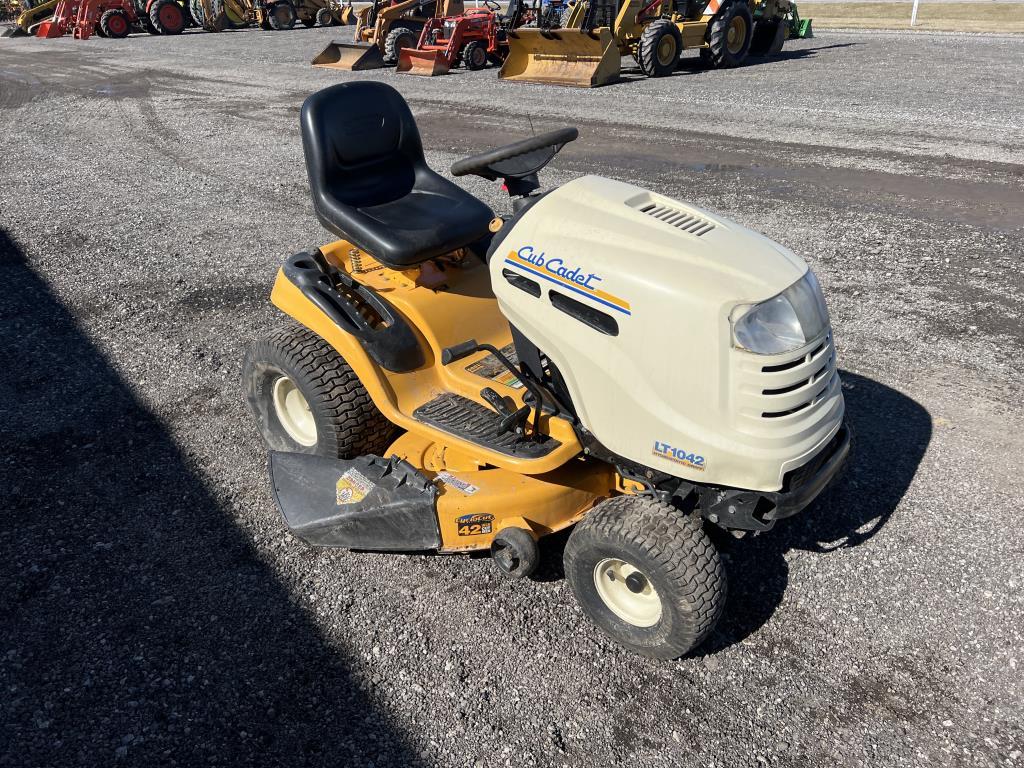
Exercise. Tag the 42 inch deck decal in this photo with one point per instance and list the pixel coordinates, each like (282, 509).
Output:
(556, 270)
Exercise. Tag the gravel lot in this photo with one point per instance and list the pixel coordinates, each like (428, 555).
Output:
(154, 611)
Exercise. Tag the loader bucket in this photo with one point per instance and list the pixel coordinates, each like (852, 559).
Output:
(562, 57)
(426, 63)
(50, 29)
(352, 56)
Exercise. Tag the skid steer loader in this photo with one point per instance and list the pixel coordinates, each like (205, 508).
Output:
(587, 50)
(382, 30)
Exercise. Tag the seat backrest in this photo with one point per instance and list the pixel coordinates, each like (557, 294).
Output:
(361, 144)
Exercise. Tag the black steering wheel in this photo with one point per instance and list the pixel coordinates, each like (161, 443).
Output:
(518, 160)
(492, 5)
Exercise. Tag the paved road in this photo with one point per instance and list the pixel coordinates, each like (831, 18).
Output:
(155, 611)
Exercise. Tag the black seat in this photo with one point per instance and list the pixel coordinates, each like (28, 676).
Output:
(371, 184)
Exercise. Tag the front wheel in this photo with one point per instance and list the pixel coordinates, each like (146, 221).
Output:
(325, 18)
(474, 55)
(647, 575)
(167, 17)
(307, 399)
(397, 39)
(115, 23)
(729, 35)
(282, 15)
(659, 49)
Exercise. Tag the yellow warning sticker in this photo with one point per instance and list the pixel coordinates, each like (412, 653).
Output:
(352, 487)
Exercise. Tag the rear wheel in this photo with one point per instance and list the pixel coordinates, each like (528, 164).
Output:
(659, 49)
(397, 39)
(325, 18)
(167, 17)
(281, 15)
(729, 35)
(647, 575)
(99, 30)
(474, 55)
(115, 23)
(307, 399)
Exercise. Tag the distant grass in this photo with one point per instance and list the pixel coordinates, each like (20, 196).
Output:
(953, 17)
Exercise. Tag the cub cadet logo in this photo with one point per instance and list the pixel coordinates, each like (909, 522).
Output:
(556, 271)
(474, 525)
(679, 456)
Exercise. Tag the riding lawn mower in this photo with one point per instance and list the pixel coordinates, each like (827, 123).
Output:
(602, 358)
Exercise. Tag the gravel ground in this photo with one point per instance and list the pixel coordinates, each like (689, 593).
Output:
(156, 612)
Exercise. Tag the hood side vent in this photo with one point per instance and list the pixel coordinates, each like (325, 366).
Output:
(687, 222)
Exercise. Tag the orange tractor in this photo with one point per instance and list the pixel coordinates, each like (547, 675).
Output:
(108, 18)
(475, 37)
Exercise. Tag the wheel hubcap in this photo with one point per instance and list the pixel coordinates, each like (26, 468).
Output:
(293, 412)
(666, 50)
(627, 592)
(737, 33)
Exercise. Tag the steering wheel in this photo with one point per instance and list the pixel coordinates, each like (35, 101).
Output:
(492, 5)
(517, 160)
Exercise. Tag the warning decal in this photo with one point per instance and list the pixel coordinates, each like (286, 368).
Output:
(449, 479)
(352, 487)
(490, 368)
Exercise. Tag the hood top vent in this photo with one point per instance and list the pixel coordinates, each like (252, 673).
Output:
(687, 222)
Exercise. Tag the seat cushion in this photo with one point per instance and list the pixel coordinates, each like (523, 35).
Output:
(435, 217)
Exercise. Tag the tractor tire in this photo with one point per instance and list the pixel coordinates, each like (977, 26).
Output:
(729, 35)
(768, 38)
(325, 18)
(281, 15)
(98, 30)
(397, 39)
(167, 17)
(660, 48)
(115, 23)
(474, 55)
(307, 399)
(647, 575)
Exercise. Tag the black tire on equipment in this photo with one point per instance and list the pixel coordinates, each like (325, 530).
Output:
(768, 38)
(99, 30)
(122, 26)
(173, 24)
(474, 55)
(348, 424)
(397, 39)
(674, 554)
(719, 55)
(325, 18)
(281, 15)
(657, 35)
(144, 22)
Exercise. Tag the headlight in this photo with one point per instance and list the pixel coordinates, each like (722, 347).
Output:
(795, 317)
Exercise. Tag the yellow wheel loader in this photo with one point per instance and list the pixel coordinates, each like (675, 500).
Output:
(219, 15)
(382, 30)
(587, 50)
(31, 17)
(601, 358)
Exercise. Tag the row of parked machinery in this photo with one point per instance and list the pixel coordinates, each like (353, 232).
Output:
(564, 42)
(117, 18)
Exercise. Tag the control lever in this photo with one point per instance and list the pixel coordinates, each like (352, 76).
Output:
(458, 351)
(512, 421)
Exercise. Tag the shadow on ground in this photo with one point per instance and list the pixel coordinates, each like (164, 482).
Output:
(890, 435)
(139, 626)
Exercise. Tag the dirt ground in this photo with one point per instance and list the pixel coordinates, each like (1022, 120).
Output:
(154, 609)
(975, 16)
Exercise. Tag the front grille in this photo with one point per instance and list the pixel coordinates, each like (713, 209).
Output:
(773, 391)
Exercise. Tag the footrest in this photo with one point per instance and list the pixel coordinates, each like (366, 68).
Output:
(478, 424)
